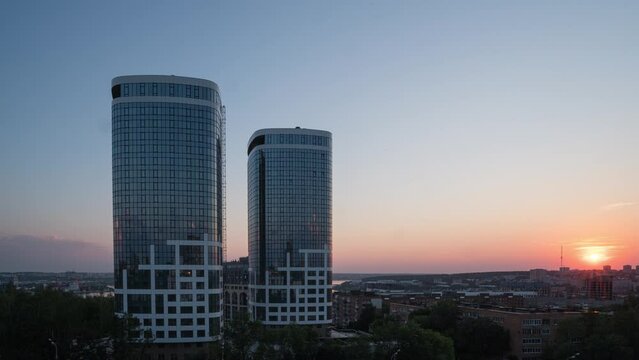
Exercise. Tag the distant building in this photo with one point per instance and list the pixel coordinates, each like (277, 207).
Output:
(554, 291)
(622, 286)
(564, 269)
(507, 299)
(530, 332)
(538, 275)
(627, 268)
(402, 311)
(599, 287)
(74, 286)
(607, 268)
(423, 301)
(236, 288)
(347, 307)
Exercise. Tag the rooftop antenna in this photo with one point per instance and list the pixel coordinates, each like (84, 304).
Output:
(561, 261)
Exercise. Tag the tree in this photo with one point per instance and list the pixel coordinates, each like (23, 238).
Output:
(245, 339)
(385, 332)
(349, 349)
(410, 341)
(480, 339)
(123, 333)
(595, 336)
(34, 326)
(30, 324)
(441, 317)
(240, 335)
(365, 319)
(298, 342)
(625, 323)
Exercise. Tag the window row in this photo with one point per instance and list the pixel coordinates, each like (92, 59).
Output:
(298, 139)
(293, 318)
(154, 135)
(165, 89)
(164, 185)
(284, 309)
(120, 150)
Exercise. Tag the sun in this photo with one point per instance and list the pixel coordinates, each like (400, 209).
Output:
(594, 257)
(594, 254)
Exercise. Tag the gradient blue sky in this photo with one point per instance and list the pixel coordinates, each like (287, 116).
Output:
(471, 135)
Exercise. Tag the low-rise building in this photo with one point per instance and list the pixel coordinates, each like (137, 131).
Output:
(499, 298)
(236, 288)
(599, 287)
(530, 331)
(538, 275)
(347, 306)
(402, 311)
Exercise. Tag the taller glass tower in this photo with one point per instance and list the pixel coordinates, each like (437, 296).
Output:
(169, 205)
(289, 226)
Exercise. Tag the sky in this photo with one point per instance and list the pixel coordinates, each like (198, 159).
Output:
(467, 135)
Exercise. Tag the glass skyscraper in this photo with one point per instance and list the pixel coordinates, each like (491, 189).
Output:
(290, 226)
(168, 138)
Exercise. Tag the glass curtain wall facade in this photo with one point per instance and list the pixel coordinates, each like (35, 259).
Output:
(168, 142)
(290, 226)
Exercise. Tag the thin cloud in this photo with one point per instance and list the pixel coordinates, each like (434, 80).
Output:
(605, 242)
(52, 254)
(619, 205)
(598, 249)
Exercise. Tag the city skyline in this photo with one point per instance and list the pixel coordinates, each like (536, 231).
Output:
(467, 137)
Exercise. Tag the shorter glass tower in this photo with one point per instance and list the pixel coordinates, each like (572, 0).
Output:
(290, 226)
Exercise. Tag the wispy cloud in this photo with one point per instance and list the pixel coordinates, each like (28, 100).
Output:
(598, 241)
(619, 205)
(597, 249)
(51, 253)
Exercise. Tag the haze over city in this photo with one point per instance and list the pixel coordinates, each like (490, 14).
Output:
(465, 137)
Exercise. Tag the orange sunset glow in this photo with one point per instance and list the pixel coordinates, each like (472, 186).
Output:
(595, 257)
(465, 138)
(499, 241)
(596, 253)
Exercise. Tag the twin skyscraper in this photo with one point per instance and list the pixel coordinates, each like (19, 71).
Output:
(169, 205)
